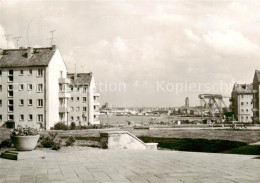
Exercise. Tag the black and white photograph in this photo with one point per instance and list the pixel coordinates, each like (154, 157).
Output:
(129, 91)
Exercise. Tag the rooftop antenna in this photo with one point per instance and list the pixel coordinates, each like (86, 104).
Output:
(52, 37)
(6, 37)
(17, 40)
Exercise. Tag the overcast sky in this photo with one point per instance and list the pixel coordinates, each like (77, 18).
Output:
(145, 53)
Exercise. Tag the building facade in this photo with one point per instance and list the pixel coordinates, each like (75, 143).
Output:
(256, 100)
(84, 107)
(35, 89)
(242, 102)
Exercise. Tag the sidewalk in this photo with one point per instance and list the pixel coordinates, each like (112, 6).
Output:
(83, 164)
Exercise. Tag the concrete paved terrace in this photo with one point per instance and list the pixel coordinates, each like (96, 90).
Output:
(82, 164)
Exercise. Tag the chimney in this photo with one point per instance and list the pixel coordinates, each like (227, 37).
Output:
(29, 52)
(53, 47)
(75, 76)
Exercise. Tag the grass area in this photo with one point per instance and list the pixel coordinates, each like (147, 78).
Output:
(195, 145)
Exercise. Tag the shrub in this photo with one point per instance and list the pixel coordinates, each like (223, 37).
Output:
(60, 126)
(70, 141)
(50, 141)
(7, 143)
(72, 126)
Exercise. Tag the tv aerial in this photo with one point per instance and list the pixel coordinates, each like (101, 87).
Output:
(7, 37)
(52, 36)
(17, 40)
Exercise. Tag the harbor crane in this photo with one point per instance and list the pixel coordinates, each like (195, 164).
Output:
(213, 103)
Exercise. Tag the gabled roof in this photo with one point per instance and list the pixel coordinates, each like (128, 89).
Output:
(257, 75)
(19, 57)
(80, 78)
(243, 88)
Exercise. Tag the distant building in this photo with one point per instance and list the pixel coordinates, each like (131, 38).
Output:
(187, 105)
(242, 105)
(84, 107)
(256, 100)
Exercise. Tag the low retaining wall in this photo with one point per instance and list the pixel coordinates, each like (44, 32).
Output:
(124, 140)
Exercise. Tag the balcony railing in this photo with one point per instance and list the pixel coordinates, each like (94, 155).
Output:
(64, 80)
(63, 109)
(96, 93)
(64, 94)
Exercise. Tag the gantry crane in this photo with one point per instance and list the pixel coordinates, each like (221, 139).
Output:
(213, 103)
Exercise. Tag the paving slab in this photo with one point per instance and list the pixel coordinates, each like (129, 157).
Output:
(130, 166)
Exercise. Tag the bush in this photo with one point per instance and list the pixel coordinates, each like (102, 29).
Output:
(50, 141)
(70, 141)
(7, 143)
(60, 126)
(72, 126)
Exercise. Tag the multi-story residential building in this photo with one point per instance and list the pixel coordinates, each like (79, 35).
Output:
(33, 87)
(256, 100)
(242, 102)
(84, 107)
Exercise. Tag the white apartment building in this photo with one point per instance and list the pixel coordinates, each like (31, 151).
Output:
(30, 82)
(242, 102)
(35, 90)
(256, 100)
(84, 107)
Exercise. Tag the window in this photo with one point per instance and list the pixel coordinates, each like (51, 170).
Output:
(30, 102)
(40, 103)
(10, 102)
(242, 96)
(10, 87)
(242, 103)
(21, 72)
(71, 88)
(77, 109)
(10, 117)
(40, 88)
(21, 87)
(77, 99)
(72, 108)
(84, 109)
(40, 72)
(78, 118)
(85, 89)
(0, 103)
(21, 117)
(0, 88)
(78, 88)
(84, 99)
(71, 99)
(21, 103)
(242, 110)
(30, 117)
(10, 108)
(1, 117)
(71, 118)
(246, 110)
(10, 72)
(0, 72)
(40, 118)
(10, 93)
(30, 72)
(29, 87)
(10, 79)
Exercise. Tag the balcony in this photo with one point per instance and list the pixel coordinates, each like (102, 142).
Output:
(96, 113)
(96, 103)
(63, 109)
(96, 93)
(63, 94)
(64, 80)
(255, 110)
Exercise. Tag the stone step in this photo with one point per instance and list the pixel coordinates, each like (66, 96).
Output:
(9, 155)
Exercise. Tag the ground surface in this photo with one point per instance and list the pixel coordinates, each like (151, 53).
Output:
(81, 164)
